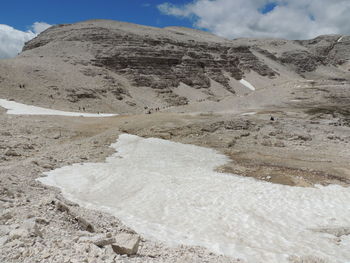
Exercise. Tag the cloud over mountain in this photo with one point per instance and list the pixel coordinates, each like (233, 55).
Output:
(290, 19)
(12, 40)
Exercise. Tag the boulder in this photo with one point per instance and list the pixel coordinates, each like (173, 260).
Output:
(12, 152)
(4, 230)
(5, 215)
(126, 244)
(31, 226)
(267, 143)
(279, 144)
(62, 207)
(84, 224)
(3, 240)
(18, 233)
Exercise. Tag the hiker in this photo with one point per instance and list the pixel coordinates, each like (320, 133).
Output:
(272, 118)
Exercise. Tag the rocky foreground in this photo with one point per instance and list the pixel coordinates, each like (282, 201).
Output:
(193, 78)
(39, 225)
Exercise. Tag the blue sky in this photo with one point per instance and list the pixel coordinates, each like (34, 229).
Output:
(268, 7)
(21, 14)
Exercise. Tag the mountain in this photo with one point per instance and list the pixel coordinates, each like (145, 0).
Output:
(105, 65)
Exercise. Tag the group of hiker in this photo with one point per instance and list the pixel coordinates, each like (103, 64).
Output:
(150, 110)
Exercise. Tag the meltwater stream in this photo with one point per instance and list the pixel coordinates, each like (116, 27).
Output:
(170, 192)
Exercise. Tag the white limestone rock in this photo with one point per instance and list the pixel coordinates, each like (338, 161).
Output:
(18, 233)
(126, 244)
(3, 240)
(31, 226)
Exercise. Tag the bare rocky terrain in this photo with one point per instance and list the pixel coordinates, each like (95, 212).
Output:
(177, 84)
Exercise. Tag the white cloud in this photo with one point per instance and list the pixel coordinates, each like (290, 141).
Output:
(39, 27)
(290, 19)
(12, 40)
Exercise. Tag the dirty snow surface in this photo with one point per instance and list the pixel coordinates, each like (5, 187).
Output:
(23, 109)
(170, 192)
(247, 84)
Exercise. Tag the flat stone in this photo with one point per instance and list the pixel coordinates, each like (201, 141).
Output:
(105, 241)
(98, 240)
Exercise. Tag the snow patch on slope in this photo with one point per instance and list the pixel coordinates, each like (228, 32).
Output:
(248, 113)
(23, 109)
(170, 192)
(247, 84)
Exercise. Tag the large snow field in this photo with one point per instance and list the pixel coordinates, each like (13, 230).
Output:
(23, 109)
(170, 192)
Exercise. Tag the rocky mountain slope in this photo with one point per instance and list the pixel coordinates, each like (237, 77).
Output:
(104, 65)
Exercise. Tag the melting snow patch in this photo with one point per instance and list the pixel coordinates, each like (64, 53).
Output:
(170, 192)
(23, 109)
(248, 113)
(247, 84)
(340, 39)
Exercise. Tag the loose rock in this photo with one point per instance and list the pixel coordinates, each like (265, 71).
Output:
(126, 244)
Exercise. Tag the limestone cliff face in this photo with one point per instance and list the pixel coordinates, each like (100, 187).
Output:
(330, 50)
(166, 63)
(157, 58)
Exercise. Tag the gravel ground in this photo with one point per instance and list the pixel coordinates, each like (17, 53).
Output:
(296, 149)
